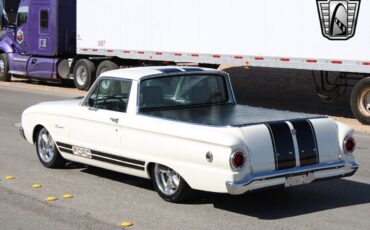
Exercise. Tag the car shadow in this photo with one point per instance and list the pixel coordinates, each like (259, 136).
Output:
(267, 204)
(285, 89)
(57, 84)
(296, 201)
(119, 177)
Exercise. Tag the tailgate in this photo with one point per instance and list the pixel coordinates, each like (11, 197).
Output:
(289, 144)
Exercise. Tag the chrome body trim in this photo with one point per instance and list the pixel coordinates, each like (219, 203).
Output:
(21, 132)
(309, 174)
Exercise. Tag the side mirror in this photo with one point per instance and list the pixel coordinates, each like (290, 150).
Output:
(91, 102)
(5, 23)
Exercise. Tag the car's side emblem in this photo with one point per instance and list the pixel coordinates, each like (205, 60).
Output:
(338, 18)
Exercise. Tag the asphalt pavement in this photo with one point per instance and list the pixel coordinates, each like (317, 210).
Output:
(103, 199)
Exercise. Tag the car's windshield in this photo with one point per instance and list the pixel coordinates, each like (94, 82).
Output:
(180, 91)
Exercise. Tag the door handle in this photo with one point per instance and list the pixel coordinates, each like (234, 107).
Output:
(92, 109)
(115, 120)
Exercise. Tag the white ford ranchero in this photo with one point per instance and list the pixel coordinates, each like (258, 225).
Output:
(181, 127)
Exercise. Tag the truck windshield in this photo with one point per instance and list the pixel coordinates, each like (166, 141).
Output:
(182, 91)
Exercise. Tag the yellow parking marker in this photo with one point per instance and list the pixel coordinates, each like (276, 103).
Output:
(126, 224)
(9, 178)
(51, 198)
(68, 196)
(36, 186)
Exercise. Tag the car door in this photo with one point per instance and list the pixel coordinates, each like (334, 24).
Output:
(95, 125)
(22, 31)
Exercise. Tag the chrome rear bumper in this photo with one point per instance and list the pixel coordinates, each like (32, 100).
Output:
(292, 177)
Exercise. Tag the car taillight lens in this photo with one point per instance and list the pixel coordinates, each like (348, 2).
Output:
(237, 160)
(349, 145)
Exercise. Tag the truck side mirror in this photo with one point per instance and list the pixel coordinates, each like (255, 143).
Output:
(3, 22)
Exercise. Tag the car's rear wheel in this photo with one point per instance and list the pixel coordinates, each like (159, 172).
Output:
(169, 184)
(47, 151)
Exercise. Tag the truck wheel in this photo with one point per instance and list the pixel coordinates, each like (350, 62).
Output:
(84, 74)
(105, 66)
(360, 101)
(47, 151)
(169, 184)
(4, 68)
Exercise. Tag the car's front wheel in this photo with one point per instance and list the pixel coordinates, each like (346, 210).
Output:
(47, 151)
(169, 184)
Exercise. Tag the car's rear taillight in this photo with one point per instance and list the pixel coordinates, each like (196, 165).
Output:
(237, 160)
(349, 145)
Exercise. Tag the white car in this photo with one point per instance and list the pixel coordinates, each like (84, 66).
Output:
(181, 127)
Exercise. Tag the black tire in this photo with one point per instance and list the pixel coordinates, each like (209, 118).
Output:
(360, 105)
(4, 75)
(183, 191)
(54, 161)
(84, 73)
(105, 66)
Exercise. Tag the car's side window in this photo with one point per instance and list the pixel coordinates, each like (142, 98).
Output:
(111, 94)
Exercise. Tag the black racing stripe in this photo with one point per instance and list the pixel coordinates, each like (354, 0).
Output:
(192, 69)
(65, 150)
(64, 145)
(308, 153)
(117, 163)
(273, 146)
(68, 149)
(118, 158)
(315, 139)
(283, 145)
(170, 70)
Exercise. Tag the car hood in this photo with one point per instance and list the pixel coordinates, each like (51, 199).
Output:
(59, 107)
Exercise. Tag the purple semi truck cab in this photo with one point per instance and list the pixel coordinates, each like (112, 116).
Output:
(41, 41)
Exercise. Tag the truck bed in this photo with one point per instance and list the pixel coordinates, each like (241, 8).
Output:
(227, 115)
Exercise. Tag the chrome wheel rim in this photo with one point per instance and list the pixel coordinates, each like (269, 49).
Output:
(364, 101)
(81, 75)
(2, 67)
(167, 179)
(45, 146)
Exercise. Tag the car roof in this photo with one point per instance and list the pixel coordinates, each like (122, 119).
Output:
(138, 73)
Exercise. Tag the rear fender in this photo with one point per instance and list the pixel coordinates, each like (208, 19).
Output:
(344, 131)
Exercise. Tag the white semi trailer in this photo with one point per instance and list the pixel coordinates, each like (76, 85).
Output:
(306, 34)
(319, 35)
